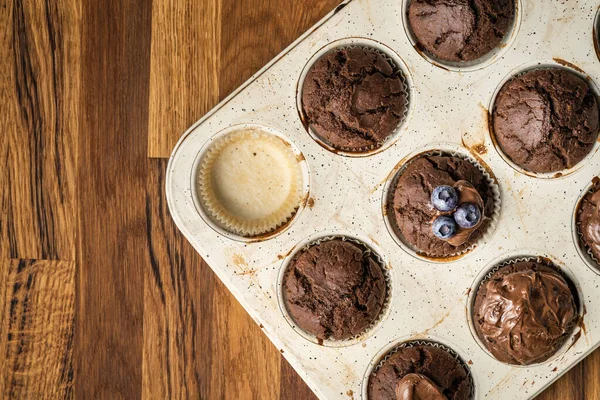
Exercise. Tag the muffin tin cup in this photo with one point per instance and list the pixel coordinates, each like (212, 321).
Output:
(547, 260)
(218, 226)
(369, 249)
(343, 196)
(467, 66)
(404, 343)
(437, 150)
(584, 250)
(400, 70)
(542, 65)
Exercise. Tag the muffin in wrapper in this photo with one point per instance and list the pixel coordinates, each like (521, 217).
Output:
(545, 265)
(461, 381)
(484, 231)
(307, 329)
(337, 143)
(249, 182)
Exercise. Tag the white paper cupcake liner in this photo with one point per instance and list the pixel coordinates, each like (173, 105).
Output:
(367, 251)
(413, 343)
(494, 218)
(398, 72)
(233, 223)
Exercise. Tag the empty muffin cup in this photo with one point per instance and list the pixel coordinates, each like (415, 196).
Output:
(249, 182)
(334, 290)
(354, 97)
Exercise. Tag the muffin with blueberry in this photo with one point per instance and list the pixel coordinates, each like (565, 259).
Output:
(441, 205)
(420, 371)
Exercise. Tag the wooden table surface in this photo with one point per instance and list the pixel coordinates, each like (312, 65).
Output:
(100, 296)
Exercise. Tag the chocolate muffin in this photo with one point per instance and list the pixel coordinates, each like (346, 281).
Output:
(460, 30)
(413, 215)
(334, 289)
(422, 369)
(546, 120)
(588, 219)
(353, 98)
(525, 312)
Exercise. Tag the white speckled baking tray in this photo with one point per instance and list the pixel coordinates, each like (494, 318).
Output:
(448, 109)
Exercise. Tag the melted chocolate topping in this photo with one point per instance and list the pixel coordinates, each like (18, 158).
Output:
(418, 387)
(525, 315)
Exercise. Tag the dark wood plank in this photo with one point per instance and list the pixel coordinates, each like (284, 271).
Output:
(39, 91)
(111, 174)
(291, 386)
(197, 338)
(37, 304)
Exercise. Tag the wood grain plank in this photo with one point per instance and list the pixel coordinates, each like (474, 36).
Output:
(37, 304)
(185, 65)
(291, 385)
(198, 341)
(111, 174)
(39, 89)
(263, 28)
(591, 377)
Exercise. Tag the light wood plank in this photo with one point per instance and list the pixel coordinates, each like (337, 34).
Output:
(197, 339)
(185, 68)
(39, 89)
(37, 304)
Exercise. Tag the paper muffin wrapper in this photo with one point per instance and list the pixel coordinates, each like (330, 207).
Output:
(494, 218)
(400, 74)
(413, 343)
(582, 244)
(218, 212)
(546, 262)
(367, 251)
(542, 175)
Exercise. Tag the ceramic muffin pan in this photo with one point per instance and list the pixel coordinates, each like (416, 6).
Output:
(248, 232)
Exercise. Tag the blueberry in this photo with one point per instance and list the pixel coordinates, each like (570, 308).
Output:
(444, 198)
(467, 215)
(444, 227)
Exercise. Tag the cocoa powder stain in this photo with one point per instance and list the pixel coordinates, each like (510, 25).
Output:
(470, 362)
(310, 203)
(350, 393)
(569, 65)
(555, 369)
(558, 174)
(480, 148)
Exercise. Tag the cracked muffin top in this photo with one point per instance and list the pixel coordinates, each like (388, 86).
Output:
(334, 289)
(353, 99)
(546, 120)
(460, 30)
(442, 370)
(413, 212)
